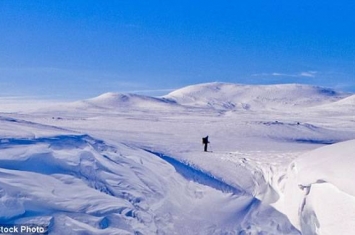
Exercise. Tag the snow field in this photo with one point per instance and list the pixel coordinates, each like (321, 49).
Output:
(129, 164)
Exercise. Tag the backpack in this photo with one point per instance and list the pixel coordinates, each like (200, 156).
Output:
(204, 140)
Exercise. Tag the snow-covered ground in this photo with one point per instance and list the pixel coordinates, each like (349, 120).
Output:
(131, 164)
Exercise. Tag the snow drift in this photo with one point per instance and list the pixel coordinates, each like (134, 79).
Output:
(77, 184)
(319, 194)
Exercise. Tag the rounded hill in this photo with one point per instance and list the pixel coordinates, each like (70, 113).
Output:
(234, 96)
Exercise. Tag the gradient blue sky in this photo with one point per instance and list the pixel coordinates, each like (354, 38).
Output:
(74, 49)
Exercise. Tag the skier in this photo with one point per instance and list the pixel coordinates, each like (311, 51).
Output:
(205, 142)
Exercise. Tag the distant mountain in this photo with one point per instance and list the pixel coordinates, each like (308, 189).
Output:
(223, 96)
(234, 96)
(118, 100)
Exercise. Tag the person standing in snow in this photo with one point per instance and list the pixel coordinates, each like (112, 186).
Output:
(205, 142)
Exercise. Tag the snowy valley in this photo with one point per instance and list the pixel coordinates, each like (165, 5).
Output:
(280, 161)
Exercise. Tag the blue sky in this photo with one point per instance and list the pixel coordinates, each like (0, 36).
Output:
(79, 49)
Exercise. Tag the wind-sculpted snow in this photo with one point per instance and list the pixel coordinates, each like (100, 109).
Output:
(319, 191)
(251, 214)
(197, 175)
(75, 183)
(63, 179)
(16, 127)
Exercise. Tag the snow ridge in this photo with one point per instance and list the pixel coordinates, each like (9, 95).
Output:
(199, 176)
(91, 186)
(234, 96)
(320, 183)
(78, 174)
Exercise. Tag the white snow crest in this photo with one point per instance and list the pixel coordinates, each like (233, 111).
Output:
(320, 192)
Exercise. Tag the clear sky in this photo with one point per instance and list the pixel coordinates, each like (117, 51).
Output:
(74, 49)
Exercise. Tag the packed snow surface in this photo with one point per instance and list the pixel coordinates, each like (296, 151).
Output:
(280, 161)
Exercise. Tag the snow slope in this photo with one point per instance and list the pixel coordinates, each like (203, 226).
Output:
(319, 194)
(344, 106)
(232, 96)
(77, 184)
(130, 164)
